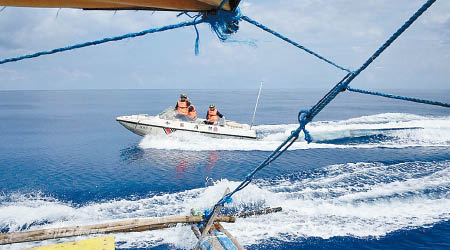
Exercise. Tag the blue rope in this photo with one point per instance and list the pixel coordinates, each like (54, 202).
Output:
(306, 116)
(259, 25)
(226, 23)
(197, 38)
(343, 84)
(223, 23)
(411, 99)
(394, 36)
(273, 156)
(105, 40)
(326, 99)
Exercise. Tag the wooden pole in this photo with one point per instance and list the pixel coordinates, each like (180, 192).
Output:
(231, 237)
(110, 227)
(196, 231)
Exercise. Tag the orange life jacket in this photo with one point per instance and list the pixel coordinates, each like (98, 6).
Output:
(212, 115)
(182, 107)
(192, 114)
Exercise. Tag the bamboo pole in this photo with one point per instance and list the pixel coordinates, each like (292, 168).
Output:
(110, 227)
(259, 212)
(211, 220)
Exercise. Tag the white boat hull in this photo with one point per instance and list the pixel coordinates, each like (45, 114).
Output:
(155, 125)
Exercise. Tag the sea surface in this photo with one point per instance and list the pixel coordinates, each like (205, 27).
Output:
(376, 176)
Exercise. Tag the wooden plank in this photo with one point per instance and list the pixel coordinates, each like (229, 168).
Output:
(210, 243)
(192, 5)
(216, 3)
(219, 227)
(102, 243)
(224, 240)
(110, 227)
(215, 244)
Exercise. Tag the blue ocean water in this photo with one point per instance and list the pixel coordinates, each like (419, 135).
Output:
(377, 175)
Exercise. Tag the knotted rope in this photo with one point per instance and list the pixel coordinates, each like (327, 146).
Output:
(226, 23)
(306, 116)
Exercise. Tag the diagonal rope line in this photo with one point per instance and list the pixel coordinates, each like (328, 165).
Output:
(306, 116)
(104, 40)
(394, 36)
(259, 25)
(341, 86)
(410, 99)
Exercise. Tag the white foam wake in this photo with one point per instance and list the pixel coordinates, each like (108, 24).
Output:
(357, 200)
(399, 131)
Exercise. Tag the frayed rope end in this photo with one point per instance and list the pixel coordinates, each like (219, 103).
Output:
(223, 23)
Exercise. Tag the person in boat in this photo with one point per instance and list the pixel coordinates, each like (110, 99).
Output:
(212, 116)
(183, 105)
(192, 113)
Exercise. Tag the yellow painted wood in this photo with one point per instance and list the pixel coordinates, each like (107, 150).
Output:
(103, 243)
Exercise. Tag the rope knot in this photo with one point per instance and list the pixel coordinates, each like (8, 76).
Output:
(227, 198)
(303, 120)
(206, 212)
(223, 23)
(303, 117)
(308, 137)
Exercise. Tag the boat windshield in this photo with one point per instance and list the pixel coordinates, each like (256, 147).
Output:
(168, 114)
(171, 114)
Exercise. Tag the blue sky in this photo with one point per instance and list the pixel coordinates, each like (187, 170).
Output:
(345, 31)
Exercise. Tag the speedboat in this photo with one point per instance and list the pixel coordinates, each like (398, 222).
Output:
(170, 121)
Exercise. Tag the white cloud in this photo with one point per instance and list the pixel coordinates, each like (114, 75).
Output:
(73, 74)
(11, 75)
(346, 31)
(139, 79)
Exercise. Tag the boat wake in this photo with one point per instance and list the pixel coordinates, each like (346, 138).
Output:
(356, 199)
(395, 130)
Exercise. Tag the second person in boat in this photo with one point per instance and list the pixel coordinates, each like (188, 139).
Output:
(212, 116)
(192, 113)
